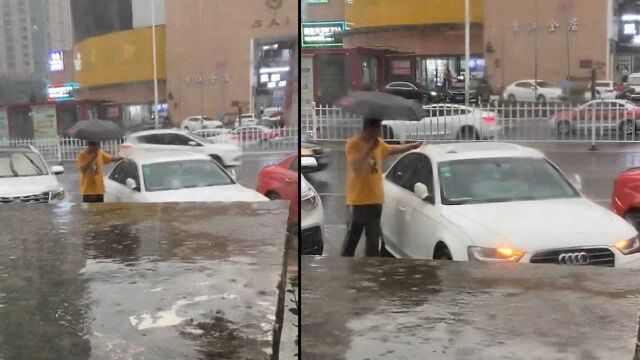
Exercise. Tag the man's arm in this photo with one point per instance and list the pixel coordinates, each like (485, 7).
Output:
(108, 159)
(359, 162)
(89, 163)
(399, 149)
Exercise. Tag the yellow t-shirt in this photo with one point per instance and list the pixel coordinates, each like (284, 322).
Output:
(92, 181)
(365, 187)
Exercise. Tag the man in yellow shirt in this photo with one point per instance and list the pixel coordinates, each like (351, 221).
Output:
(365, 196)
(91, 162)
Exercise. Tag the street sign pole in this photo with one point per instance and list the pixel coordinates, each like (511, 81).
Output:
(467, 50)
(155, 65)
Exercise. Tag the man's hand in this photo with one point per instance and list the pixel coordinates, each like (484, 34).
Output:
(416, 145)
(399, 149)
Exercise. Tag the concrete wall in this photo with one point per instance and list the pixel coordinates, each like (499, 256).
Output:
(333, 10)
(215, 46)
(558, 53)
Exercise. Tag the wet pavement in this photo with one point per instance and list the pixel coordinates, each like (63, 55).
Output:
(597, 169)
(411, 309)
(145, 281)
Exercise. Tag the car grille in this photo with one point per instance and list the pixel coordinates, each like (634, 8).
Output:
(29, 199)
(596, 256)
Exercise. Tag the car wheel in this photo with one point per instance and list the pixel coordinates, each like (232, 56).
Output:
(627, 130)
(467, 133)
(442, 252)
(273, 196)
(564, 128)
(511, 99)
(541, 99)
(387, 133)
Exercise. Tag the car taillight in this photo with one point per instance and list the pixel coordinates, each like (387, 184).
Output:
(124, 147)
(489, 119)
(234, 137)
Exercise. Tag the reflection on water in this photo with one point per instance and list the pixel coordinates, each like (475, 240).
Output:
(140, 281)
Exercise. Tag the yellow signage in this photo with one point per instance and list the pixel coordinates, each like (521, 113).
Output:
(119, 58)
(377, 13)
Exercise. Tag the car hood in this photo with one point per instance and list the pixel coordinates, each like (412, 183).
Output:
(28, 185)
(539, 225)
(225, 193)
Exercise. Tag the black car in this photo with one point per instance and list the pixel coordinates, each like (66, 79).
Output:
(479, 92)
(412, 91)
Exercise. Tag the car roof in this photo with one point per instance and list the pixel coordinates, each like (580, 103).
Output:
(478, 150)
(145, 157)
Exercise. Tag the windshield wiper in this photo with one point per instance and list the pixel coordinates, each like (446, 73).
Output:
(459, 201)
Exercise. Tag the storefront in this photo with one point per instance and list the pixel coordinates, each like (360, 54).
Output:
(274, 71)
(430, 71)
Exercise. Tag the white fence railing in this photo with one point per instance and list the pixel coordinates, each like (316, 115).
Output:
(251, 142)
(594, 122)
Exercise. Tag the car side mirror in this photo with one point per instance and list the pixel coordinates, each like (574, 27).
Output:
(193, 143)
(131, 184)
(57, 170)
(421, 191)
(308, 163)
(577, 181)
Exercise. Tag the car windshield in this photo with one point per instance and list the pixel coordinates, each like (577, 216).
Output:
(543, 84)
(18, 164)
(177, 175)
(477, 181)
(206, 118)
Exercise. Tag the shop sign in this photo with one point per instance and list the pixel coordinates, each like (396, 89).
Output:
(45, 125)
(321, 33)
(56, 61)
(4, 125)
(552, 26)
(62, 92)
(401, 67)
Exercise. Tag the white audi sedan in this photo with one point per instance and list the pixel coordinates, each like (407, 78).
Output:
(159, 176)
(497, 202)
(445, 121)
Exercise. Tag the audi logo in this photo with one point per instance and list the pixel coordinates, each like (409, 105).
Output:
(577, 258)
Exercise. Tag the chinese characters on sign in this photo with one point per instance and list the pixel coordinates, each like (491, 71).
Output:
(56, 61)
(315, 34)
(553, 26)
(62, 92)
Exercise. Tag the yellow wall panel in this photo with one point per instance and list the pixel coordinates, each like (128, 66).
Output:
(120, 58)
(374, 13)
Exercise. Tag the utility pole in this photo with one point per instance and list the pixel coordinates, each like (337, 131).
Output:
(467, 51)
(155, 63)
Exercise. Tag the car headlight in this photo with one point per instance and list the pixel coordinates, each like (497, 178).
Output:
(629, 246)
(57, 195)
(502, 254)
(309, 201)
(433, 93)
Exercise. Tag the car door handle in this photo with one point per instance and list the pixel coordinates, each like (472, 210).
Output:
(402, 208)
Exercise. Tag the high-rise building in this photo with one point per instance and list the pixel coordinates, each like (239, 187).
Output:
(29, 29)
(100, 17)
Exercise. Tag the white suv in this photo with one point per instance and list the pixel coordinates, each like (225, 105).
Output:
(25, 177)
(228, 155)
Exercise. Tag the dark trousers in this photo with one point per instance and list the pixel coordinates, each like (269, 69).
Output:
(92, 198)
(367, 218)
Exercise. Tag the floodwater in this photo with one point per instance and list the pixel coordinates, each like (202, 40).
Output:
(142, 281)
(380, 308)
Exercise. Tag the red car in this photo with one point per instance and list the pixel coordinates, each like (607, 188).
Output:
(613, 116)
(255, 133)
(280, 181)
(626, 196)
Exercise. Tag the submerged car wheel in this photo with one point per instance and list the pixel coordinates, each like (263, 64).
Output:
(633, 218)
(273, 196)
(467, 133)
(564, 128)
(442, 252)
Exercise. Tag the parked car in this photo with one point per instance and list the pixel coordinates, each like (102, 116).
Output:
(605, 90)
(532, 91)
(625, 200)
(173, 176)
(619, 116)
(413, 91)
(200, 123)
(255, 134)
(219, 135)
(312, 219)
(444, 121)
(315, 151)
(26, 178)
(633, 82)
(503, 202)
(228, 155)
(246, 120)
(479, 92)
(280, 181)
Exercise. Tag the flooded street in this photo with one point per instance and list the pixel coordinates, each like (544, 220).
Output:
(412, 309)
(157, 281)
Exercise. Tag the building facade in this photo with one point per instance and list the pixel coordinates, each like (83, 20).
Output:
(239, 57)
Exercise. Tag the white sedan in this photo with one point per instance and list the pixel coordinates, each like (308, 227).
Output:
(497, 202)
(173, 177)
(227, 154)
(532, 90)
(444, 121)
(200, 123)
(311, 218)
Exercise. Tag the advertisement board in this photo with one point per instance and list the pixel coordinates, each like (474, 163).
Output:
(56, 61)
(45, 125)
(321, 33)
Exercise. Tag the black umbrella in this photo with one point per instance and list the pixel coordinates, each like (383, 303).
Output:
(96, 130)
(381, 105)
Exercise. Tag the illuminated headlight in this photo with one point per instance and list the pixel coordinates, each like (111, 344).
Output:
(433, 93)
(629, 246)
(501, 254)
(309, 201)
(57, 195)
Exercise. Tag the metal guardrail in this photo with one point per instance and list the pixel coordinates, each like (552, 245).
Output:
(252, 142)
(595, 122)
